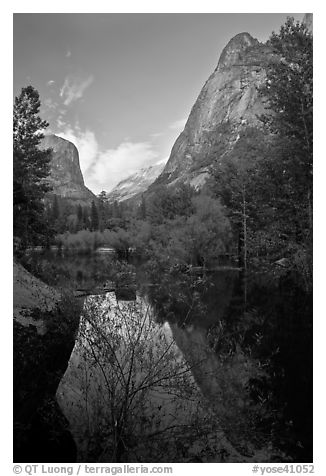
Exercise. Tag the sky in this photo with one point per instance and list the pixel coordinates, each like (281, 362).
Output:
(121, 86)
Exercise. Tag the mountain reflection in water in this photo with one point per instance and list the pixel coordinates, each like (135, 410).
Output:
(137, 386)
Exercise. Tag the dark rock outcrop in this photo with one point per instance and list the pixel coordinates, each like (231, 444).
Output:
(43, 339)
(65, 176)
(228, 102)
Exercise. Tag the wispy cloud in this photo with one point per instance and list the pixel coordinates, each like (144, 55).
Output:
(68, 54)
(155, 135)
(60, 123)
(74, 87)
(51, 82)
(178, 125)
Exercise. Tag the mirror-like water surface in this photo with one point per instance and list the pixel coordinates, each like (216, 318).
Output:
(176, 366)
(133, 387)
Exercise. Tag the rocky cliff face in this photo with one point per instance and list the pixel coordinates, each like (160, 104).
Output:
(228, 102)
(135, 184)
(66, 177)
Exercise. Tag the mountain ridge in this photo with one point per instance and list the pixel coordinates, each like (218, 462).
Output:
(66, 177)
(228, 102)
(135, 184)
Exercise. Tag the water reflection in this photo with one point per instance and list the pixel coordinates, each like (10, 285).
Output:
(242, 363)
(132, 392)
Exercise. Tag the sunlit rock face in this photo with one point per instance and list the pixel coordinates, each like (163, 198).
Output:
(134, 185)
(65, 175)
(228, 102)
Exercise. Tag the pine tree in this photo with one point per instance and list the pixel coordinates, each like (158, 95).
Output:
(94, 217)
(102, 197)
(289, 90)
(55, 208)
(31, 168)
(289, 84)
(142, 208)
(103, 209)
(80, 213)
(86, 217)
(116, 209)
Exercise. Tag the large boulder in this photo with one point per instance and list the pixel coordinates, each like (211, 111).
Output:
(44, 333)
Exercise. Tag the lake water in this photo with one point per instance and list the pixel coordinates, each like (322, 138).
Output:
(142, 377)
(138, 390)
(181, 372)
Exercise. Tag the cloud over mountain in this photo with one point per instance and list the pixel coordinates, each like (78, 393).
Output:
(103, 169)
